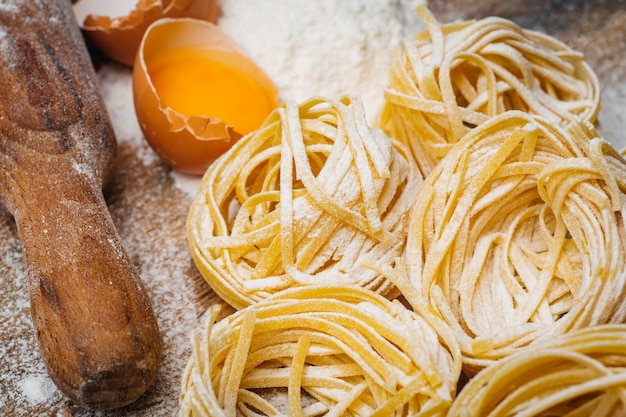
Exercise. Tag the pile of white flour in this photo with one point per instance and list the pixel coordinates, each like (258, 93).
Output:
(323, 47)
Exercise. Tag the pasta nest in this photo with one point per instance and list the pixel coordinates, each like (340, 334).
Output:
(450, 78)
(518, 235)
(304, 200)
(579, 374)
(321, 351)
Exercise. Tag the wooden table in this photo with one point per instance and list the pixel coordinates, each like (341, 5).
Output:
(149, 208)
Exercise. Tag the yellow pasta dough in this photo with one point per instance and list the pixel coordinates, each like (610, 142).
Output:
(450, 78)
(518, 234)
(304, 200)
(579, 374)
(322, 350)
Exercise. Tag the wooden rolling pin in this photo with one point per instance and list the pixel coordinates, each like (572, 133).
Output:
(96, 329)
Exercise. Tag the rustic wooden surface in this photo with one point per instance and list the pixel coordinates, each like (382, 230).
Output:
(149, 210)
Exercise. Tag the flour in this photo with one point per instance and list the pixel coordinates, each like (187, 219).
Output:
(323, 47)
(38, 388)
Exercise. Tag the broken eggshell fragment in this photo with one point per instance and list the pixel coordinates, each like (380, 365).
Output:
(190, 142)
(118, 37)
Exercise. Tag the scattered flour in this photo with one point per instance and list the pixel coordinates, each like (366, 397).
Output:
(613, 123)
(37, 388)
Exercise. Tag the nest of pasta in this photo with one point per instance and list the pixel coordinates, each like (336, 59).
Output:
(304, 200)
(450, 78)
(321, 351)
(518, 234)
(579, 374)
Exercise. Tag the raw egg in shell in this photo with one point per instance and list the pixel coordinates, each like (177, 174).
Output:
(117, 29)
(195, 92)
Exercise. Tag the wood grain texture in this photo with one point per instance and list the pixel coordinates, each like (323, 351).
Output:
(97, 333)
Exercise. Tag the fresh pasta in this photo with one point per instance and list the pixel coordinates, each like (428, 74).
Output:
(487, 201)
(580, 374)
(321, 350)
(450, 78)
(518, 234)
(304, 200)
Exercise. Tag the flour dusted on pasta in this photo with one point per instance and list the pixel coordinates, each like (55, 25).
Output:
(323, 47)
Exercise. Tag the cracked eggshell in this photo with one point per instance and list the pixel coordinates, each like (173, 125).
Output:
(189, 144)
(118, 37)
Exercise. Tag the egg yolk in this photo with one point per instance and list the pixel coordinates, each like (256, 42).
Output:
(189, 81)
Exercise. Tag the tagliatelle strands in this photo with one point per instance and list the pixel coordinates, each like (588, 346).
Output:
(579, 374)
(304, 200)
(450, 78)
(329, 350)
(518, 235)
